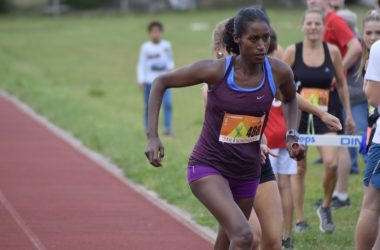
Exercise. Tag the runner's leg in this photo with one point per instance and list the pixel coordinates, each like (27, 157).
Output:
(214, 192)
(298, 190)
(222, 240)
(377, 243)
(330, 162)
(368, 222)
(256, 227)
(287, 203)
(267, 206)
(344, 167)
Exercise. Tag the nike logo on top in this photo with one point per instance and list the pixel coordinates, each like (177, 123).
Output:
(260, 97)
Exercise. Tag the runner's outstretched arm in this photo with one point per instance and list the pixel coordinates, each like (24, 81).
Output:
(331, 121)
(208, 71)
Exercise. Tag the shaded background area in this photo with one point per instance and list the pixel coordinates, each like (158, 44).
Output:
(59, 6)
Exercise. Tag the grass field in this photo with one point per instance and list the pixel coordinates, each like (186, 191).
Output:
(79, 71)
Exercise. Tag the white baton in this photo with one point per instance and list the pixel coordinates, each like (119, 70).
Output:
(331, 140)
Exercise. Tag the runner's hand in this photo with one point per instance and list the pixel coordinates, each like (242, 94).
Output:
(296, 149)
(350, 125)
(331, 122)
(154, 151)
(264, 151)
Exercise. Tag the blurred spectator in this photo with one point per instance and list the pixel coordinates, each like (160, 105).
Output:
(155, 59)
(359, 104)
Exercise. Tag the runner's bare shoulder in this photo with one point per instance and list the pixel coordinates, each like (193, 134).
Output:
(290, 55)
(213, 69)
(280, 69)
(334, 51)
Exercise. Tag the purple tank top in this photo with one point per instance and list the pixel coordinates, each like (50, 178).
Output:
(234, 122)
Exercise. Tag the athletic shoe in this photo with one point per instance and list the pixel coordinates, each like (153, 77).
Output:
(301, 227)
(338, 203)
(326, 224)
(287, 244)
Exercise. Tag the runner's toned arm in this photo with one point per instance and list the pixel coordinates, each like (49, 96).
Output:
(290, 55)
(208, 71)
(342, 87)
(354, 49)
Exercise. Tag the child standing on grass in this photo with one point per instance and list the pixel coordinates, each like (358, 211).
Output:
(155, 59)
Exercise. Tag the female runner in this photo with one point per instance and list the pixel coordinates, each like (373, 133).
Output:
(224, 168)
(266, 216)
(314, 65)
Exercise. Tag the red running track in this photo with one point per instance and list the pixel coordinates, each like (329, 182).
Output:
(54, 197)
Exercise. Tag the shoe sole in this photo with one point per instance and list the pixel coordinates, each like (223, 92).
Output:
(349, 206)
(320, 225)
(300, 231)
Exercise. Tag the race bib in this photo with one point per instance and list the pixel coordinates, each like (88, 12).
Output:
(317, 97)
(241, 128)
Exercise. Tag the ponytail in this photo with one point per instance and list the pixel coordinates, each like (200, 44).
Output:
(228, 37)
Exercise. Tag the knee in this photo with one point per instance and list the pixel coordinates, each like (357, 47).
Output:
(243, 236)
(256, 240)
(331, 165)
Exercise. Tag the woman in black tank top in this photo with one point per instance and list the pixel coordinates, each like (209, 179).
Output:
(314, 65)
(313, 81)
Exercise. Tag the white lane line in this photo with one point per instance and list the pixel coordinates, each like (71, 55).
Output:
(178, 214)
(20, 222)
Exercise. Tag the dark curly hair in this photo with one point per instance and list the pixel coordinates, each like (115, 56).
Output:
(273, 41)
(237, 26)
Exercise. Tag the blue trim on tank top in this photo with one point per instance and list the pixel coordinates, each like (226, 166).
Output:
(231, 83)
(228, 61)
(266, 69)
(270, 76)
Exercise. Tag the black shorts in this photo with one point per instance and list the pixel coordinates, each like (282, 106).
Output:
(334, 107)
(267, 172)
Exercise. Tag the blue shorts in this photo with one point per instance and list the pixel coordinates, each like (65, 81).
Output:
(240, 189)
(372, 169)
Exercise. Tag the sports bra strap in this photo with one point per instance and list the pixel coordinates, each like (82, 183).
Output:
(328, 61)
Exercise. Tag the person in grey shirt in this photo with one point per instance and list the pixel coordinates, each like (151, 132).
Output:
(358, 100)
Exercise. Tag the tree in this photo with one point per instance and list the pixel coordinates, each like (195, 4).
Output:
(4, 6)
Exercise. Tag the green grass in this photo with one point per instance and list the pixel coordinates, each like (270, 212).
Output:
(79, 71)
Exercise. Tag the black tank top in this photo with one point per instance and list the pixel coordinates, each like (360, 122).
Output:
(313, 77)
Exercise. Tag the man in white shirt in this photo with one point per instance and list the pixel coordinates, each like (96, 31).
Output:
(368, 223)
(155, 59)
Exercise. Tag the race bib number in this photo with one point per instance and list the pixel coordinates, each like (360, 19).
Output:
(317, 97)
(241, 128)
